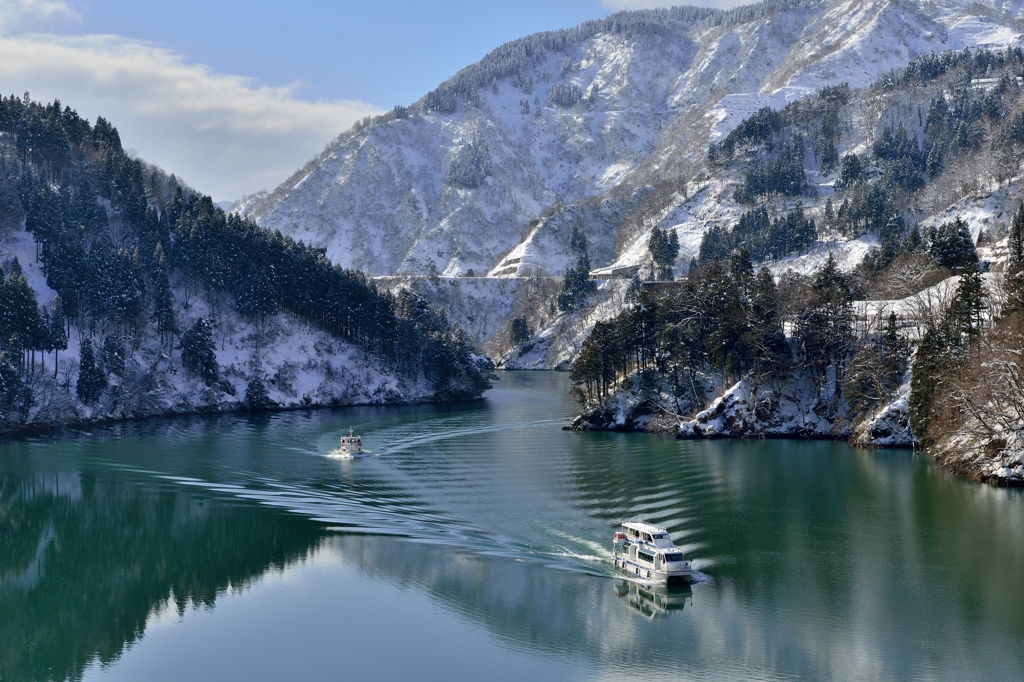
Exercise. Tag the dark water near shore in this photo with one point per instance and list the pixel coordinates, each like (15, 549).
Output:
(476, 546)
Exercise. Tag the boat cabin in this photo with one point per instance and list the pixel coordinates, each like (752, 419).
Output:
(647, 533)
(647, 550)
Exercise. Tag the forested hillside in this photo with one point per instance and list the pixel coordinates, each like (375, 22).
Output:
(126, 293)
(737, 351)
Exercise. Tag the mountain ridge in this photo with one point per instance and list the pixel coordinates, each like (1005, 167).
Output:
(649, 101)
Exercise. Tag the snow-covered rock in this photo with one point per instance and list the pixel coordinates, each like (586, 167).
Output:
(794, 408)
(889, 426)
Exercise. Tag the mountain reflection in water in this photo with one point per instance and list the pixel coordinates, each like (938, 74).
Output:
(485, 530)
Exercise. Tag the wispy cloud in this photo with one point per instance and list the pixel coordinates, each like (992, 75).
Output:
(224, 134)
(35, 15)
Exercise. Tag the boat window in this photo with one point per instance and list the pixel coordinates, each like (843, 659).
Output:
(660, 536)
(647, 537)
(645, 556)
(673, 557)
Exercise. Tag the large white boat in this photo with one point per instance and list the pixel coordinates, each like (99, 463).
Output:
(352, 446)
(647, 552)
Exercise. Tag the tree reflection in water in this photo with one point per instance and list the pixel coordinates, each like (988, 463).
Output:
(85, 559)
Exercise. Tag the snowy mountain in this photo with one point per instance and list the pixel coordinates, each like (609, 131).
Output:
(881, 139)
(606, 124)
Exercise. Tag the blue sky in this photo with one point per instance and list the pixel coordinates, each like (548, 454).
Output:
(234, 96)
(388, 52)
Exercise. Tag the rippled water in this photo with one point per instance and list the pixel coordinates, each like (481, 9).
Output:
(477, 543)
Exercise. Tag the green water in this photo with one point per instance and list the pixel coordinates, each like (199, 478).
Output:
(476, 547)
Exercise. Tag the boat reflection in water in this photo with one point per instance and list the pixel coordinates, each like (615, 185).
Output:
(652, 600)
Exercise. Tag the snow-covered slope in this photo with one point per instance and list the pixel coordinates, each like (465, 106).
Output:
(300, 366)
(652, 99)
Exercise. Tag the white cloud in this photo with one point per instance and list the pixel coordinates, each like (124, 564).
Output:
(35, 15)
(225, 135)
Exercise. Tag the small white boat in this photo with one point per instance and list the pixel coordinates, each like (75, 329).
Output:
(352, 446)
(647, 552)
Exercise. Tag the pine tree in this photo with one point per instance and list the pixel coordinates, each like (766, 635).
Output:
(198, 351)
(519, 331)
(951, 245)
(163, 301)
(113, 354)
(11, 386)
(256, 396)
(742, 270)
(930, 363)
(41, 336)
(91, 379)
(852, 171)
(768, 341)
(967, 310)
(576, 285)
(664, 249)
(825, 328)
(1014, 281)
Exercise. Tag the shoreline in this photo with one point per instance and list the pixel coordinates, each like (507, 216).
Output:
(950, 465)
(29, 431)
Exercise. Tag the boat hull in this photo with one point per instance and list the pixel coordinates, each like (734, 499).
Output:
(675, 577)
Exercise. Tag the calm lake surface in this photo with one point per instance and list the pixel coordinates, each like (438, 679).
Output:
(476, 546)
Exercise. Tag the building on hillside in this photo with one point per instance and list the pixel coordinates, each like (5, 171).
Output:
(615, 272)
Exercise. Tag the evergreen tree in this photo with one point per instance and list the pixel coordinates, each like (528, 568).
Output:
(112, 352)
(519, 331)
(931, 362)
(576, 285)
(11, 388)
(852, 171)
(258, 297)
(256, 396)
(198, 351)
(825, 328)
(1014, 280)
(163, 301)
(469, 167)
(951, 245)
(966, 311)
(91, 379)
(767, 343)
(41, 338)
(742, 270)
(664, 249)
